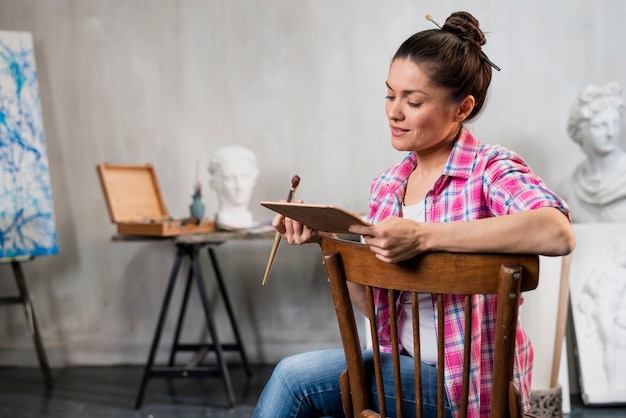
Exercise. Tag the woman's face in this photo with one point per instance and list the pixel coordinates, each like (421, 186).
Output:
(421, 116)
(601, 133)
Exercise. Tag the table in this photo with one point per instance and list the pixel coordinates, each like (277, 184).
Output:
(189, 246)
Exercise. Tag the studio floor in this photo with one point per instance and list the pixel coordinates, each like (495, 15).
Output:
(95, 392)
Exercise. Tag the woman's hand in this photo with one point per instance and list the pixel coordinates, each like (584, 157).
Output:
(394, 239)
(295, 232)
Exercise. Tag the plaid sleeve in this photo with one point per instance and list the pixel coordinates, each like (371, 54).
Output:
(510, 186)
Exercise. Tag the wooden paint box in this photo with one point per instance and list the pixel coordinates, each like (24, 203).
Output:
(135, 203)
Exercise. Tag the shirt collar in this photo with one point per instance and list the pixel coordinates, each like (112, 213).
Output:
(460, 162)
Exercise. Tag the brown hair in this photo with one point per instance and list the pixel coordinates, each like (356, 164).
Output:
(453, 58)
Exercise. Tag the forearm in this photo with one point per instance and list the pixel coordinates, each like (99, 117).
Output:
(545, 231)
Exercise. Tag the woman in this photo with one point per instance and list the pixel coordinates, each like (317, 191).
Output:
(450, 193)
(596, 190)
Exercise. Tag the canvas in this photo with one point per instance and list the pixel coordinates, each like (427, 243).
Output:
(27, 222)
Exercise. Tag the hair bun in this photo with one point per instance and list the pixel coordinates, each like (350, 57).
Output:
(465, 26)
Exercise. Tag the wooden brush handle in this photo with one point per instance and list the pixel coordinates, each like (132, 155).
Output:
(295, 181)
(277, 239)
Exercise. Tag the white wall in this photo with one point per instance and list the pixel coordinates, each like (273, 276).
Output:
(301, 83)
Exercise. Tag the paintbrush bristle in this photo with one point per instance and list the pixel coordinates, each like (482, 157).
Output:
(429, 17)
(295, 181)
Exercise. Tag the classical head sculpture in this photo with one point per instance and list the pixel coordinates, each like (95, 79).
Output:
(597, 189)
(234, 172)
(596, 106)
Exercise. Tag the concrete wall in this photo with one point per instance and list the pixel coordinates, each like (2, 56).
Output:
(301, 83)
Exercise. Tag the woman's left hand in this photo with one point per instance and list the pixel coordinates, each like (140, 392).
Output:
(544, 231)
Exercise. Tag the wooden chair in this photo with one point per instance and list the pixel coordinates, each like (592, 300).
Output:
(438, 273)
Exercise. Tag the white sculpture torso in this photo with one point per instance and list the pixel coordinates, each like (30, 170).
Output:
(597, 197)
(598, 292)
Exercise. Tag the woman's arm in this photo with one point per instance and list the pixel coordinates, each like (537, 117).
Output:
(545, 231)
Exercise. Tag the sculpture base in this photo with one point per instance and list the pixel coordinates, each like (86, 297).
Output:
(547, 403)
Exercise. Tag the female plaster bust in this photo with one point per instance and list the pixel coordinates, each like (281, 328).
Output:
(596, 191)
(234, 172)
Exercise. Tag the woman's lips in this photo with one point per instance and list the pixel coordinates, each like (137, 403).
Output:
(395, 131)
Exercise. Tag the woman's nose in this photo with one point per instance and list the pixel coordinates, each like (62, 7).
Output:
(394, 111)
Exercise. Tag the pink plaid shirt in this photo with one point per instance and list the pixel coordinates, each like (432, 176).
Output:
(478, 181)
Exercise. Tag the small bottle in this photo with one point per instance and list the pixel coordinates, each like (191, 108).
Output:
(197, 207)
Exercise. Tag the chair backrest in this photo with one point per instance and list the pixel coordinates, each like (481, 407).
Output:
(439, 273)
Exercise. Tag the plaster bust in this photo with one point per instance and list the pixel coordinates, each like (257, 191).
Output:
(596, 191)
(234, 172)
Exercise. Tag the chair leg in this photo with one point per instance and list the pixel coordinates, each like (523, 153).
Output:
(31, 321)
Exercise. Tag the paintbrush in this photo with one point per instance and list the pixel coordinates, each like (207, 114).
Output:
(295, 181)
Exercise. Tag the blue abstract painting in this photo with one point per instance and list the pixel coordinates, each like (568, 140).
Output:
(27, 222)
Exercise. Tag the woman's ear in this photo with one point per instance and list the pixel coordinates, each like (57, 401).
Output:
(465, 108)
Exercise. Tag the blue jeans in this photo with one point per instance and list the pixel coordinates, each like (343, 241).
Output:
(307, 385)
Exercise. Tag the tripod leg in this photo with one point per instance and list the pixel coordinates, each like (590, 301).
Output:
(32, 323)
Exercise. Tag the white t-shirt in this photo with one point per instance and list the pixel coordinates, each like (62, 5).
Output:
(428, 338)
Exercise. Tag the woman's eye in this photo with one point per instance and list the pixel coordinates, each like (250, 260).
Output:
(389, 97)
(414, 104)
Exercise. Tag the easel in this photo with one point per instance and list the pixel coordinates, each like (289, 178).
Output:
(24, 299)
